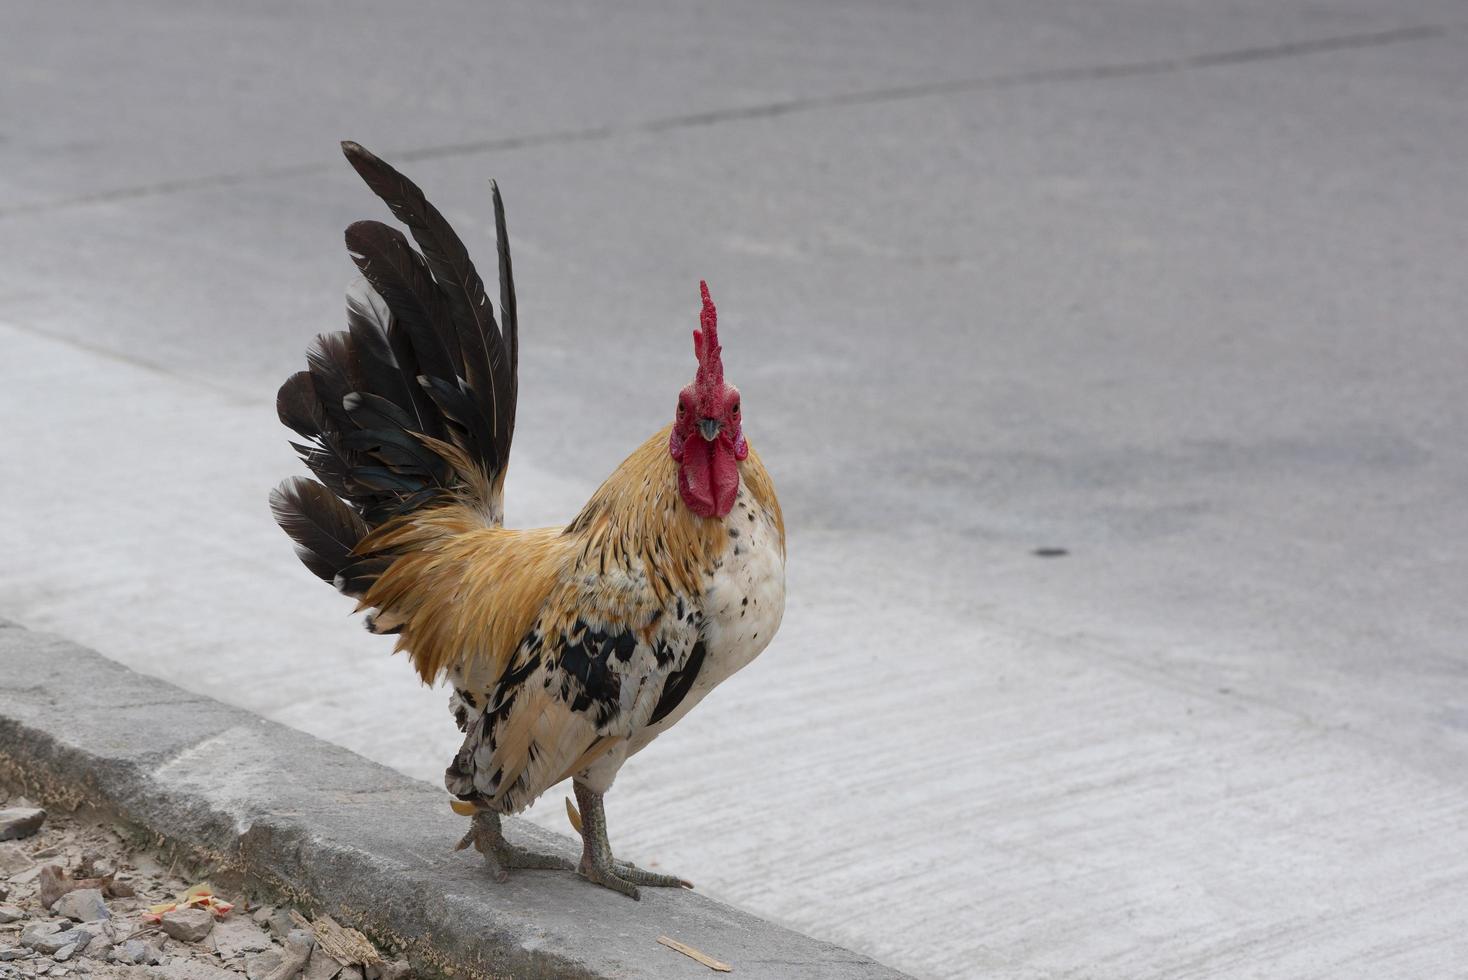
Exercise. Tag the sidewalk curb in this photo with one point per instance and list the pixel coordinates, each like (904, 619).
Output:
(329, 829)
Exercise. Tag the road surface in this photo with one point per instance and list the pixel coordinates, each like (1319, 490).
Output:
(1177, 289)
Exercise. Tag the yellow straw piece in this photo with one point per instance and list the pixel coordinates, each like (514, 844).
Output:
(702, 957)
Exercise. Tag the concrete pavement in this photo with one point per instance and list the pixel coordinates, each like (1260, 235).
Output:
(1175, 287)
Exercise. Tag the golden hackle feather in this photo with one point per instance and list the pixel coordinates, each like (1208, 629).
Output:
(460, 592)
(463, 593)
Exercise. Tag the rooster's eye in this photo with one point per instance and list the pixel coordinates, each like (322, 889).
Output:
(735, 409)
(682, 410)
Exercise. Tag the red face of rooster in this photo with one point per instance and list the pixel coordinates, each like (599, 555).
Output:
(708, 435)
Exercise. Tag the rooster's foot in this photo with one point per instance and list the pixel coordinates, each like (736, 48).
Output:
(499, 854)
(597, 864)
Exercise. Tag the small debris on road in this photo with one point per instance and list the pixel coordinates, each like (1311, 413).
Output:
(696, 954)
(347, 946)
(200, 896)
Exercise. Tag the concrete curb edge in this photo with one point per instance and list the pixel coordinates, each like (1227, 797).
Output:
(306, 820)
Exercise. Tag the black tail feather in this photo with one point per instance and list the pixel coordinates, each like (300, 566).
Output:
(401, 278)
(509, 310)
(357, 577)
(299, 407)
(384, 368)
(489, 356)
(324, 529)
(330, 361)
(423, 372)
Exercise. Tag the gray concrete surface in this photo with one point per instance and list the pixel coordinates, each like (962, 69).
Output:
(1176, 286)
(322, 826)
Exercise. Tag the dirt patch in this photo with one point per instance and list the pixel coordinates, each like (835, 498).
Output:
(81, 896)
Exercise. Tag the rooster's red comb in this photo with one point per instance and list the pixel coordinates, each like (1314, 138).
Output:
(710, 377)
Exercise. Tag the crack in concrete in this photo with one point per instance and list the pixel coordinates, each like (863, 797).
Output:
(767, 110)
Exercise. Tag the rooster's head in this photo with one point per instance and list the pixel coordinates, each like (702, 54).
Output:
(708, 438)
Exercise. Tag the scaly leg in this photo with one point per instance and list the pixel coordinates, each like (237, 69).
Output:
(597, 863)
(489, 839)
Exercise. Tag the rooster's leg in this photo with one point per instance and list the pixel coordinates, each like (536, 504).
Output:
(597, 863)
(488, 839)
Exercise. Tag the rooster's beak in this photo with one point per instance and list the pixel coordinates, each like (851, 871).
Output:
(710, 428)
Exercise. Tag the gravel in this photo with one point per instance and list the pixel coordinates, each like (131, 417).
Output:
(101, 931)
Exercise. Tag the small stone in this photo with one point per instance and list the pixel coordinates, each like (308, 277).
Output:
(396, 970)
(261, 965)
(101, 945)
(280, 923)
(83, 905)
(298, 946)
(38, 929)
(262, 914)
(14, 859)
(133, 951)
(20, 821)
(28, 875)
(64, 953)
(55, 882)
(81, 937)
(82, 966)
(350, 973)
(9, 913)
(188, 925)
(181, 969)
(15, 953)
(236, 937)
(50, 943)
(321, 966)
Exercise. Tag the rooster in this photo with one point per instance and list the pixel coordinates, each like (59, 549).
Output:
(568, 649)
